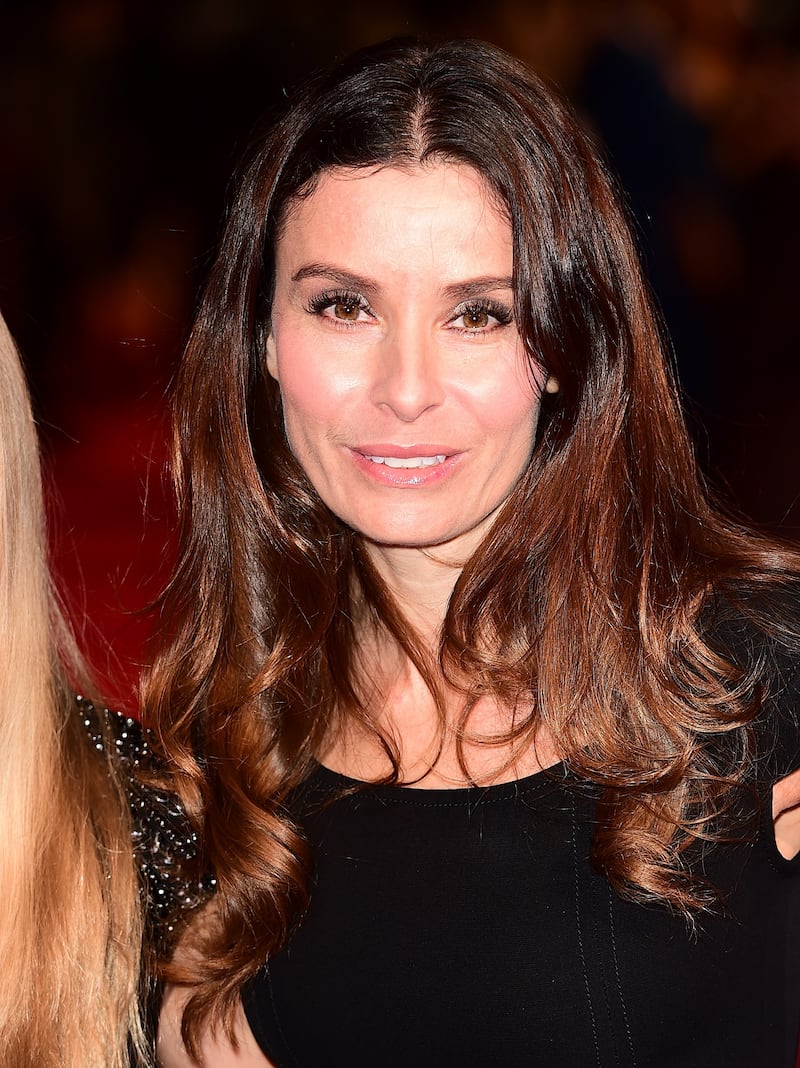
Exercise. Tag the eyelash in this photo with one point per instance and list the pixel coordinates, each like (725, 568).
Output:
(323, 301)
(499, 312)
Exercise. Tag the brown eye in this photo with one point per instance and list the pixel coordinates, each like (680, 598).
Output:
(476, 318)
(346, 309)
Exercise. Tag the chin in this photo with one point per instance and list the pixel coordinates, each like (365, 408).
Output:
(401, 535)
(411, 536)
(418, 531)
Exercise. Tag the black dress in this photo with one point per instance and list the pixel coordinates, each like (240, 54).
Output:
(165, 845)
(467, 927)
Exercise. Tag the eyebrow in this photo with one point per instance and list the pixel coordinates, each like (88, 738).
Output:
(473, 287)
(476, 286)
(345, 279)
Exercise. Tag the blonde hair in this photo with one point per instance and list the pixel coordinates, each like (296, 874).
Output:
(70, 925)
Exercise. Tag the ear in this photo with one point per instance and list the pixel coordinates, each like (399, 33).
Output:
(551, 385)
(272, 355)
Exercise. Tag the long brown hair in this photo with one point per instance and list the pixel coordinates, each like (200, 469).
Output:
(588, 592)
(70, 923)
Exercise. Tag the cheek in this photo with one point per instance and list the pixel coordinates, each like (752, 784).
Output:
(313, 388)
(510, 403)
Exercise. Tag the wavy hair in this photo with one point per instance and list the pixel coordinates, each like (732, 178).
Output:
(587, 605)
(70, 922)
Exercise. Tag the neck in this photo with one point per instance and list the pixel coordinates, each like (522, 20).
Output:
(425, 737)
(421, 582)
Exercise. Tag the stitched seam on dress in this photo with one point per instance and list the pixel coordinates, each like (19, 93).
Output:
(463, 803)
(594, 892)
(615, 958)
(442, 804)
(578, 928)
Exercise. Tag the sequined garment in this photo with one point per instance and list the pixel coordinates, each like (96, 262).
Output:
(164, 843)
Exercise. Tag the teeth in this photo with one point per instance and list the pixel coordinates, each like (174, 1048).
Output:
(409, 461)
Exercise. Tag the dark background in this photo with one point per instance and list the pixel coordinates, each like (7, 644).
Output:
(122, 120)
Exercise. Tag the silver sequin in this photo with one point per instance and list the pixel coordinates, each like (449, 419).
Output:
(164, 842)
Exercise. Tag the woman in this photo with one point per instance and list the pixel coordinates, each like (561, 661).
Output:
(90, 855)
(70, 924)
(477, 698)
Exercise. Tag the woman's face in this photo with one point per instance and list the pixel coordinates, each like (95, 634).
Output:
(407, 395)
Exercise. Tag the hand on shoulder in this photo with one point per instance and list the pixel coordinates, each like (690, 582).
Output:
(786, 814)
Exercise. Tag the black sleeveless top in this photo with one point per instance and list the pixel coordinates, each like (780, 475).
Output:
(466, 927)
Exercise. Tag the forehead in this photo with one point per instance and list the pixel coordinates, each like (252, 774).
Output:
(435, 211)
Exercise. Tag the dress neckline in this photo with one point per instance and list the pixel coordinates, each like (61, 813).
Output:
(442, 795)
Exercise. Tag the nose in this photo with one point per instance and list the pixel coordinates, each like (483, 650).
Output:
(407, 375)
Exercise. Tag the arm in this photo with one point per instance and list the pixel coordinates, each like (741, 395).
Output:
(216, 1050)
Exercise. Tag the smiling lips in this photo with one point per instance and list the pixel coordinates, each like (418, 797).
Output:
(409, 461)
(405, 465)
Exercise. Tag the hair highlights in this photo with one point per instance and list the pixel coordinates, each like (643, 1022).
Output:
(584, 608)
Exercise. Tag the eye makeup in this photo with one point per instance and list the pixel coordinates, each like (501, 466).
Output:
(481, 316)
(343, 306)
